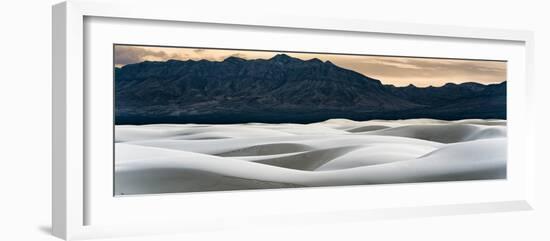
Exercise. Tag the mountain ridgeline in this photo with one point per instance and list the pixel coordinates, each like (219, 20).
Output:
(284, 89)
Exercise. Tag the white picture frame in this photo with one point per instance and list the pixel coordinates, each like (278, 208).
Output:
(75, 189)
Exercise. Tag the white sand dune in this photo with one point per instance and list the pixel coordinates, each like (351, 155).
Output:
(188, 158)
(449, 133)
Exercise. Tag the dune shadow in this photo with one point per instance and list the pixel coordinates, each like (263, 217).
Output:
(266, 149)
(367, 128)
(309, 161)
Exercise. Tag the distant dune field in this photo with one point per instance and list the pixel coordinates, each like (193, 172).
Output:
(168, 158)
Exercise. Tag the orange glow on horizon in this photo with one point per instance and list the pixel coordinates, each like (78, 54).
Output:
(398, 71)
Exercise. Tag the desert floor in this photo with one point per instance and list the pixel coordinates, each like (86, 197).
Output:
(167, 158)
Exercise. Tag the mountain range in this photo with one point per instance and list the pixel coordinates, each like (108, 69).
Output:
(285, 89)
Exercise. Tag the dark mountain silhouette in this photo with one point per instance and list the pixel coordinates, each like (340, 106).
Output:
(456, 101)
(284, 89)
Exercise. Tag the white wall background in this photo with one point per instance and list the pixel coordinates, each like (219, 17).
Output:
(25, 107)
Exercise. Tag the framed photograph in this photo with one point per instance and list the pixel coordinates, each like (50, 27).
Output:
(222, 121)
(191, 119)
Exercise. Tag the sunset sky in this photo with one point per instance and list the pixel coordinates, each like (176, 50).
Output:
(399, 71)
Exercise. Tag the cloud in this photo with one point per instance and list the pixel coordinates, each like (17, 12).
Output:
(396, 63)
(239, 55)
(131, 54)
(127, 54)
(426, 71)
(134, 54)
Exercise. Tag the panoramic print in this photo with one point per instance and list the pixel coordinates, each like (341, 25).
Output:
(202, 119)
